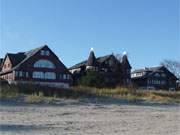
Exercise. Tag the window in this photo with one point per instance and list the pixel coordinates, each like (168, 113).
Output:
(60, 76)
(157, 75)
(156, 82)
(110, 62)
(44, 53)
(39, 75)
(16, 73)
(44, 64)
(20, 74)
(42, 75)
(104, 69)
(136, 74)
(27, 75)
(163, 82)
(47, 53)
(64, 76)
(128, 81)
(50, 75)
(68, 76)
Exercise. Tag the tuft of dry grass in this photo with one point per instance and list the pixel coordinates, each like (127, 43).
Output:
(35, 98)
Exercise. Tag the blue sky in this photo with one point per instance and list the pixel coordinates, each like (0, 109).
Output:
(148, 30)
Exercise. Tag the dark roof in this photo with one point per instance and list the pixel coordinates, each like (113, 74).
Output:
(99, 60)
(18, 58)
(125, 61)
(1, 60)
(92, 59)
(103, 58)
(149, 71)
(83, 63)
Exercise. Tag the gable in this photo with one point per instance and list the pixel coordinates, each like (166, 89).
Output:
(7, 65)
(42, 54)
(110, 61)
(168, 73)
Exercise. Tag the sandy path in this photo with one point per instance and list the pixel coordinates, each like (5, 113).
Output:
(72, 118)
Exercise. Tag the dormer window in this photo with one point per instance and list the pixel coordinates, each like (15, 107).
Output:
(45, 53)
(163, 75)
(157, 75)
(42, 52)
(110, 62)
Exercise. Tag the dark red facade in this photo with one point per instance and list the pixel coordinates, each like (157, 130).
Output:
(25, 69)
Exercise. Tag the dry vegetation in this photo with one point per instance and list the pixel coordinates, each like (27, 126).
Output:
(36, 94)
(132, 94)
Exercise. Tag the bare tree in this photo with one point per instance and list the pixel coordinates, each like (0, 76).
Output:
(173, 66)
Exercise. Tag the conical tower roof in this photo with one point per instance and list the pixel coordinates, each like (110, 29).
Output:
(92, 59)
(125, 61)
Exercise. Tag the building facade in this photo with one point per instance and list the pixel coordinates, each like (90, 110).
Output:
(39, 66)
(115, 71)
(154, 78)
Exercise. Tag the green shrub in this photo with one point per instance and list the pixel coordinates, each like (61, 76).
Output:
(92, 79)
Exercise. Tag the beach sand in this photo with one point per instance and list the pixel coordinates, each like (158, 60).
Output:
(72, 117)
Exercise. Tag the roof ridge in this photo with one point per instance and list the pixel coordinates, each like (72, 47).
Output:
(29, 54)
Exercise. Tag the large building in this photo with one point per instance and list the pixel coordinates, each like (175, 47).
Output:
(39, 66)
(115, 71)
(154, 78)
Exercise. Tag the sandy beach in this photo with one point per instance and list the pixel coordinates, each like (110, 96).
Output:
(72, 117)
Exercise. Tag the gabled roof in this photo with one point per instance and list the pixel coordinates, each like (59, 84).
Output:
(104, 58)
(99, 60)
(15, 58)
(18, 58)
(149, 71)
(30, 53)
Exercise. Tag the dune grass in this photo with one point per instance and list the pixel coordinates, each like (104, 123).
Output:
(8, 91)
(132, 94)
(36, 94)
